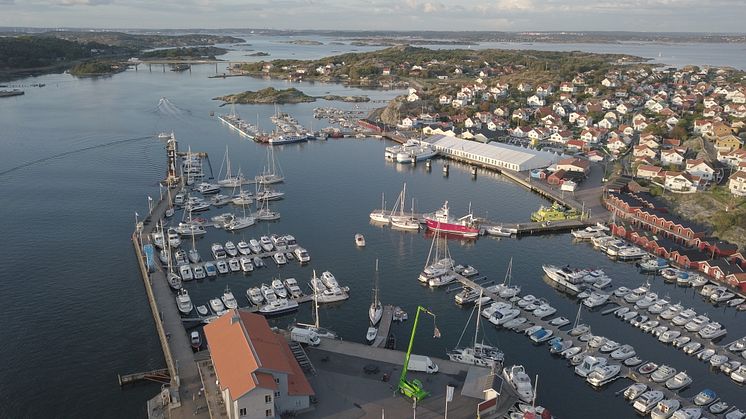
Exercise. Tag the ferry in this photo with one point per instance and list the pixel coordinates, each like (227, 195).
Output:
(443, 222)
(287, 139)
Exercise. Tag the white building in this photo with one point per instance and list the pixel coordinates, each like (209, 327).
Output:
(499, 155)
(257, 374)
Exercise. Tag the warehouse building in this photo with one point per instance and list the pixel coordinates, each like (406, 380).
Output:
(498, 155)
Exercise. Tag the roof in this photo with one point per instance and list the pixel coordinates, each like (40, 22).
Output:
(574, 161)
(526, 158)
(245, 352)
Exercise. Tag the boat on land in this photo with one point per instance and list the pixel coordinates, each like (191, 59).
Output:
(442, 221)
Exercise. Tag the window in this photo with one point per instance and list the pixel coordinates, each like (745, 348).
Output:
(277, 381)
(242, 411)
(268, 398)
(268, 413)
(277, 394)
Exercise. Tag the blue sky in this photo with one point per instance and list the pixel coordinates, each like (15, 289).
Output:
(498, 15)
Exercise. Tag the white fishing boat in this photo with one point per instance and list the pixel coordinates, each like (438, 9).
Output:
(228, 299)
(381, 215)
(183, 302)
(516, 376)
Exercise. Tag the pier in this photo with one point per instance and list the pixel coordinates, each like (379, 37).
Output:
(384, 327)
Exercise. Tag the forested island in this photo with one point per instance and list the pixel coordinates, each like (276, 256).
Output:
(282, 97)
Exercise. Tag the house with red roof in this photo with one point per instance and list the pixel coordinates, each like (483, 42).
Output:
(256, 372)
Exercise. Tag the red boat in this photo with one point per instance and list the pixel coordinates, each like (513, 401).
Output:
(441, 221)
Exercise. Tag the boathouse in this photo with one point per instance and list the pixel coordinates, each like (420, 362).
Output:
(498, 155)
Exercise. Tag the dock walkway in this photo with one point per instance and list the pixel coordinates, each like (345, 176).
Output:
(384, 326)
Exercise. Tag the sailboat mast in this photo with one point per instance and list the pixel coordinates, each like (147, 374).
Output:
(315, 301)
(479, 314)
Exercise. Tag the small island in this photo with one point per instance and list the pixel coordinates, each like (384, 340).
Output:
(184, 53)
(268, 95)
(285, 96)
(303, 42)
(97, 68)
(258, 54)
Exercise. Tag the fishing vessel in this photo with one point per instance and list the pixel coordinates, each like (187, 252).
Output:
(443, 222)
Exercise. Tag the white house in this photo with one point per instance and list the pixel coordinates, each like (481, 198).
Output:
(680, 182)
(737, 183)
(672, 157)
(700, 168)
(412, 97)
(535, 100)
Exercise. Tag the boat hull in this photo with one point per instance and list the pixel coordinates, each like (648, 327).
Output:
(451, 228)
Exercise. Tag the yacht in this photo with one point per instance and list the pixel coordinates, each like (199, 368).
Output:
(648, 401)
(222, 266)
(665, 409)
(183, 302)
(603, 375)
(292, 287)
(634, 391)
(279, 258)
(566, 278)
(217, 306)
(590, 232)
(516, 376)
(186, 272)
(444, 279)
(302, 255)
(663, 373)
(199, 272)
(679, 381)
(234, 265)
(631, 253)
(328, 279)
(255, 246)
(230, 248)
(218, 251)
(246, 264)
(589, 364)
(596, 299)
(705, 397)
(279, 306)
(279, 288)
(228, 299)
(254, 294)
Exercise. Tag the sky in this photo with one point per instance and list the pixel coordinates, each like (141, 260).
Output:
(450, 15)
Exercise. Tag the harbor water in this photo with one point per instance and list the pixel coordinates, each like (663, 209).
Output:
(80, 158)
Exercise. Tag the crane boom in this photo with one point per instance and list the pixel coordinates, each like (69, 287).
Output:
(413, 388)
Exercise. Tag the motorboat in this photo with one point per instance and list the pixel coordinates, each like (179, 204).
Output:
(234, 265)
(541, 335)
(739, 375)
(202, 310)
(730, 366)
(663, 373)
(231, 249)
(328, 279)
(603, 375)
(199, 272)
(736, 302)
(206, 188)
(621, 291)
(738, 345)
(691, 347)
(228, 299)
(609, 346)
(254, 294)
(679, 381)
(559, 321)
(246, 264)
(186, 273)
(637, 294)
(239, 223)
(658, 331)
(498, 231)
(735, 414)
(649, 325)
(571, 352)
(602, 242)
(516, 376)
(217, 306)
(687, 413)
(566, 278)
(684, 317)
(653, 264)
(173, 238)
(589, 364)
(292, 287)
(671, 311)
(183, 302)
(697, 323)
(544, 310)
(174, 281)
(658, 306)
(665, 409)
(279, 258)
(647, 368)
(683, 279)
(526, 300)
(218, 251)
(708, 289)
(631, 253)
(210, 269)
(579, 330)
(441, 280)
(531, 330)
(632, 362)
(718, 360)
(589, 232)
(557, 345)
(669, 335)
(279, 288)
(629, 316)
(504, 314)
(718, 407)
(705, 397)
(639, 320)
(721, 295)
(596, 299)
(181, 258)
(266, 244)
(302, 255)
(469, 271)
(621, 312)
(255, 246)
(623, 352)
(278, 306)
(515, 323)
(602, 283)
(648, 300)
(222, 266)
(194, 255)
(698, 280)
(220, 200)
(647, 401)
(634, 391)
(670, 274)
(712, 331)
(371, 334)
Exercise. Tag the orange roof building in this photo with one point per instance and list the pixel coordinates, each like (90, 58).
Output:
(256, 372)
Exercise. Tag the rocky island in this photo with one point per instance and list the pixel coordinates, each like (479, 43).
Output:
(284, 96)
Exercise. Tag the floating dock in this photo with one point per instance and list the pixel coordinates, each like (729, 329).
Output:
(384, 327)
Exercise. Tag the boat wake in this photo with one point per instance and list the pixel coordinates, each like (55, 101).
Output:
(67, 153)
(168, 108)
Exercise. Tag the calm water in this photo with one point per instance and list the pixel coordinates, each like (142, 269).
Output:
(79, 159)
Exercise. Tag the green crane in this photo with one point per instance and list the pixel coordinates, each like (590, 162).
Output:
(413, 389)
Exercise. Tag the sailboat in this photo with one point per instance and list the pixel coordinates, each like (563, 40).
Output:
(577, 328)
(193, 253)
(273, 172)
(320, 331)
(505, 290)
(229, 180)
(479, 354)
(380, 216)
(264, 213)
(376, 309)
(173, 279)
(405, 222)
(437, 268)
(170, 210)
